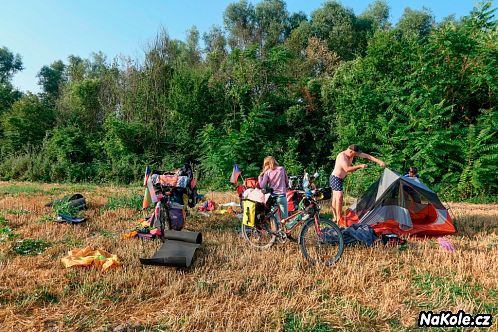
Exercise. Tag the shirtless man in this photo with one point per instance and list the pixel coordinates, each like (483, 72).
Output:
(343, 166)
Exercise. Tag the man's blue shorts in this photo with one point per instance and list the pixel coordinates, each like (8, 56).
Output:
(336, 183)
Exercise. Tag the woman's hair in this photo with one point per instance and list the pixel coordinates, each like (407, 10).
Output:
(270, 162)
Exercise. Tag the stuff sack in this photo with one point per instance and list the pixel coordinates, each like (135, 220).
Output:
(177, 219)
(251, 183)
(323, 194)
(167, 180)
(255, 195)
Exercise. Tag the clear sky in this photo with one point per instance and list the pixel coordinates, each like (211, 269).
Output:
(43, 31)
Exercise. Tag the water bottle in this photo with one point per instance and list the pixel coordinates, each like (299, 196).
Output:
(306, 181)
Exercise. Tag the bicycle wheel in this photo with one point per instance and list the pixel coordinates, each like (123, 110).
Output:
(261, 235)
(164, 222)
(322, 242)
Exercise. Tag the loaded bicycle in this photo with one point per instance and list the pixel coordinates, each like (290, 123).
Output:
(174, 191)
(320, 239)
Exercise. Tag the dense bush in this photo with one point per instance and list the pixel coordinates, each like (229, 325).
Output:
(300, 88)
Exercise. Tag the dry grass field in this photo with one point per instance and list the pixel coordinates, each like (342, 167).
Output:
(230, 287)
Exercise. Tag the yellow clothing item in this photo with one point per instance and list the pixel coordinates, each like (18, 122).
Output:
(87, 256)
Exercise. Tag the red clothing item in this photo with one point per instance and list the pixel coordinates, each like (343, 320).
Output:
(277, 180)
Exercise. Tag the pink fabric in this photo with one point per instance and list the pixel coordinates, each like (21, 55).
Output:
(445, 244)
(256, 195)
(277, 180)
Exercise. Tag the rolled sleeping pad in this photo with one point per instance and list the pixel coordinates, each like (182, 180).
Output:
(191, 237)
(178, 249)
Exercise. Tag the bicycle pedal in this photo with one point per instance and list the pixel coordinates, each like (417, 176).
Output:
(281, 237)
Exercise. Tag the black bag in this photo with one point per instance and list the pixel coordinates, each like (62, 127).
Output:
(323, 194)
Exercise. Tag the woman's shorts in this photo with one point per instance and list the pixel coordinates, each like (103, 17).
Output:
(336, 183)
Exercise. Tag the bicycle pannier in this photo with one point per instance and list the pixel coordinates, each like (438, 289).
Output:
(248, 213)
(177, 217)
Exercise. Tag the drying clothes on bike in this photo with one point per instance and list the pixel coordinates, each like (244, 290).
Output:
(255, 195)
(144, 230)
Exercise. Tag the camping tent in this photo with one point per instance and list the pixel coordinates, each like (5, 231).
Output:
(397, 204)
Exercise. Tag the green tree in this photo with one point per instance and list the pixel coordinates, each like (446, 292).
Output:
(271, 19)
(25, 124)
(51, 78)
(10, 63)
(378, 13)
(239, 19)
(416, 22)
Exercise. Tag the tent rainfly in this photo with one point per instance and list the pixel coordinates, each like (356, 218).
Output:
(397, 204)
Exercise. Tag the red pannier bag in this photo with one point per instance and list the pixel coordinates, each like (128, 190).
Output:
(292, 200)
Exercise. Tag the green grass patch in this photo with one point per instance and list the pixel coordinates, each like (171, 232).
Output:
(55, 190)
(428, 284)
(17, 212)
(106, 233)
(132, 202)
(63, 206)
(20, 189)
(45, 219)
(30, 247)
(7, 233)
(74, 187)
(294, 323)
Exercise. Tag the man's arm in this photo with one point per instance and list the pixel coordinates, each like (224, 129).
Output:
(347, 167)
(372, 158)
(350, 169)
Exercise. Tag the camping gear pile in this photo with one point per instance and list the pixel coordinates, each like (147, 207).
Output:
(68, 208)
(143, 230)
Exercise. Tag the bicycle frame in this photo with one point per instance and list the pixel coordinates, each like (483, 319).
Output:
(276, 210)
(320, 239)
